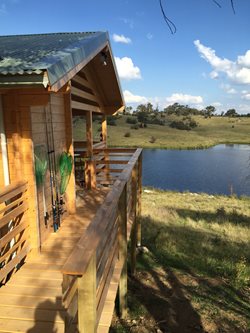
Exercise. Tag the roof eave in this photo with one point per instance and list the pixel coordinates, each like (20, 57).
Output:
(9, 81)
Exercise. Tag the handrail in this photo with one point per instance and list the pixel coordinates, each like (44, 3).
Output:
(88, 243)
(13, 225)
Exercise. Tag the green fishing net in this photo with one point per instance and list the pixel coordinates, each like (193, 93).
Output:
(41, 164)
(65, 168)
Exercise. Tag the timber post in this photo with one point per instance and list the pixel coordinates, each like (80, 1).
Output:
(134, 231)
(87, 299)
(91, 179)
(138, 201)
(70, 193)
(104, 130)
(122, 214)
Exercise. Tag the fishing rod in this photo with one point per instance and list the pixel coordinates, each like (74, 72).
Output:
(59, 201)
(52, 182)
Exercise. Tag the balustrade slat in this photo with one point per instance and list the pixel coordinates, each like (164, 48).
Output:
(12, 190)
(14, 213)
(13, 233)
(12, 264)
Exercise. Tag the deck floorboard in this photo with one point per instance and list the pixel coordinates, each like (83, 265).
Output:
(31, 301)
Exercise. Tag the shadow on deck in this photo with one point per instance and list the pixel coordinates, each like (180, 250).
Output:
(72, 284)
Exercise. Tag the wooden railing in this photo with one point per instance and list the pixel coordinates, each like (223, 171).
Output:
(14, 244)
(101, 254)
(103, 168)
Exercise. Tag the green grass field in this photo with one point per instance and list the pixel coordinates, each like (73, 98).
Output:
(210, 132)
(196, 275)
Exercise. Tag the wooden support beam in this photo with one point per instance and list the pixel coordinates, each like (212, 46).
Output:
(87, 299)
(104, 130)
(134, 219)
(122, 215)
(70, 195)
(139, 194)
(90, 165)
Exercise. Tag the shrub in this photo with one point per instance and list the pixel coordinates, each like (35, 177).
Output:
(187, 123)
(193, 123)
(132, 120)
(152, 139)
(127, 134)
(179, 124)
(156, 121)
(111, 121)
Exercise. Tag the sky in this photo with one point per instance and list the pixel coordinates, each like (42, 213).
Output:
(206, 62)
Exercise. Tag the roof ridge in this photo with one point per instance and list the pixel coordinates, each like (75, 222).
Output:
(54, 33)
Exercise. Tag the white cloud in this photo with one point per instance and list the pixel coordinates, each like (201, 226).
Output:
(246, 97)
(244, 60)
(149, 36)
(133, 99)
(216, 104)
(237, 71)
(121, 39)
(228, 88)
(243, 108)
(126, 69)
(184, 99)
(214, 75)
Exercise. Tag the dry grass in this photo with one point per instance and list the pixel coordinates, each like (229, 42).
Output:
(209, 133)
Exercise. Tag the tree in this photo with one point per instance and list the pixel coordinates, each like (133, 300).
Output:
(231, 113)
(209, 111)
(128, 110)
(142, 117)
(141, 108)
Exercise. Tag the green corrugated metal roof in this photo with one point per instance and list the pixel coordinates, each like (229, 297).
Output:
(56, 53)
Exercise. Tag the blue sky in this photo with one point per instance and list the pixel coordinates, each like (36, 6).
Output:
(206, 62)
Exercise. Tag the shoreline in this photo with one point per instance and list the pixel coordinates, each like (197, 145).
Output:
(199, 147)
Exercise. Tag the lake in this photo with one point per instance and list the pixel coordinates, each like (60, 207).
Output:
(223, 169)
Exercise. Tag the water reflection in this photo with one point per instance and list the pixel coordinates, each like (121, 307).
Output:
(223, 169)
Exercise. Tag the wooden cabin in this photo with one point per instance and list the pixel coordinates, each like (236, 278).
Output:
(67, 208)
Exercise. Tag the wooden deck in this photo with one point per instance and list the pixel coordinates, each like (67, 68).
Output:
(31, 301)
(72, 284)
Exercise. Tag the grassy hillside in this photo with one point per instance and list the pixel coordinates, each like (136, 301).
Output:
(195, 275)
(210, 132)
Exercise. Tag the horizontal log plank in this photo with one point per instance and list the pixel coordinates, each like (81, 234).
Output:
(80, 80)
(111, 162)
(12, 190)
(85, 107)
(20, 243)
(119, 150)
(13, 233)
(12, 264)
(13, 204)
(4, 220)
(83, 94)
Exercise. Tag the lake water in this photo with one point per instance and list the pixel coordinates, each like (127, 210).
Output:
(223, 169)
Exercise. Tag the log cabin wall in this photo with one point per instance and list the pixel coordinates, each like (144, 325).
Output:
(1, 154)
(18, 130)
(1, 168)
(59, 110)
